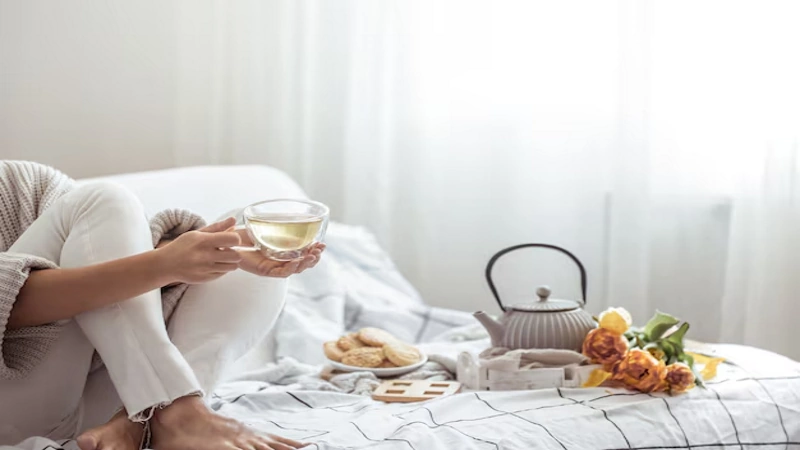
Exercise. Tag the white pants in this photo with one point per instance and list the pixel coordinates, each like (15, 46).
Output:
(146, 363)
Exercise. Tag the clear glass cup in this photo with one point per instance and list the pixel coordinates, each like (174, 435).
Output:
(284, 229)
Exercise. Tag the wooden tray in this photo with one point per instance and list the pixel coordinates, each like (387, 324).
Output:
(414, 390)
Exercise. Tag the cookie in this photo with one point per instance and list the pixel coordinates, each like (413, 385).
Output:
(363, 357)
(375, 337)
(332, 351)
(386, 364)
(401, 354)
(349, 342)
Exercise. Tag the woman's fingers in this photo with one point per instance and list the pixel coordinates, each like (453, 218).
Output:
(308, 262)
(280, 446)
(291, 267)
(222, 225)
(262, 446)
(257, 263)
(211, 276)
(289, 442)
(225, 267)
(281, 270)
(316, 248)
(244, 236)
(224, 239)
(227, 255)
(313, 257)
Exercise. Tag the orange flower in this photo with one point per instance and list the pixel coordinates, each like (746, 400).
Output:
(604, 346)
(641, 371)
(679, 378)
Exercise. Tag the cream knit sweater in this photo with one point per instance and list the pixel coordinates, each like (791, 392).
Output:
(26, 190)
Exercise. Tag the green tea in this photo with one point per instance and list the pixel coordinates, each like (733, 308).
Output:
(285, 232)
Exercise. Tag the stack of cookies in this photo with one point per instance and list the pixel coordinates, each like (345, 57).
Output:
(372, 348)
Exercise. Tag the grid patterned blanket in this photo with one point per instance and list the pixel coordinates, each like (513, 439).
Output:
(753, 403)
(740, 410)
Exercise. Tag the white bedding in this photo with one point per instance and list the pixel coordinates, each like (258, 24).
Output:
(754, 402)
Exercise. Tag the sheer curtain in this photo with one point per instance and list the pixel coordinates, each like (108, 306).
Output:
(656, 140)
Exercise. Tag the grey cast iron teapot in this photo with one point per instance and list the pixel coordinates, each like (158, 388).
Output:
(546, 323)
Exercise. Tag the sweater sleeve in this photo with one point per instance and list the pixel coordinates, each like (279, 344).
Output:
(26, 190)
(22, 348)
(171, 223)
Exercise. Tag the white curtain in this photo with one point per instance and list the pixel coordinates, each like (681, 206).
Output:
(658, 141)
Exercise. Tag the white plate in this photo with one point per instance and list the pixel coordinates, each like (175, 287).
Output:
(381, 373)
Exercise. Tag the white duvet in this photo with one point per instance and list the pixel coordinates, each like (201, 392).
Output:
(753, 403)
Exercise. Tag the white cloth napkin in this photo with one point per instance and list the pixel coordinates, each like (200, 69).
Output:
(499, 358)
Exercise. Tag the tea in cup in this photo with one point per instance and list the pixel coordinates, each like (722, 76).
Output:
(284, 229)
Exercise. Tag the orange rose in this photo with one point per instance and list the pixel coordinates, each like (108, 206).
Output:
(604, 346)
(641, 371)
(679, 378)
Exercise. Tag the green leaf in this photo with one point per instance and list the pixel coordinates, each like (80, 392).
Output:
(629, 334)
(659, 325)
(668, 348)
(677, 337)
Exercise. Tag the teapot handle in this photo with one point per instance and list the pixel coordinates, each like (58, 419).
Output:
(497, 256)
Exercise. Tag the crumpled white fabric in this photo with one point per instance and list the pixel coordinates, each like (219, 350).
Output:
(296, 376)
(500, 358)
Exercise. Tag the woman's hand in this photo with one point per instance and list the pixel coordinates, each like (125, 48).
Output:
(256, 263)
(203, 255)
(251, 261)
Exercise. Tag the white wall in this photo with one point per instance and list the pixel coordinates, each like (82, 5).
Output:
(88, 86)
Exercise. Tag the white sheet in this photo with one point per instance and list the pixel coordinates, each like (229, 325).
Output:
(754, 403)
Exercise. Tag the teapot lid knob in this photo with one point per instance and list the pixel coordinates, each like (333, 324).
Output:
(543, 292)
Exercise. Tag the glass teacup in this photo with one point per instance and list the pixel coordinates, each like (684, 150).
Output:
(284, 229)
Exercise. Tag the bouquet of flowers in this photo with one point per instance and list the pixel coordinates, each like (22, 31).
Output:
(648, 359)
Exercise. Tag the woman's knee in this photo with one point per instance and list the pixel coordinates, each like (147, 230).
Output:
(106, 196)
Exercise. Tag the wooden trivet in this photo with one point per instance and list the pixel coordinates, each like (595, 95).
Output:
(414, 390)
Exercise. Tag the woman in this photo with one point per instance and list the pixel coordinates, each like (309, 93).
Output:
(86, 285)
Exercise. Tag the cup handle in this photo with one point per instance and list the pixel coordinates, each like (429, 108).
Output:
(243, 248)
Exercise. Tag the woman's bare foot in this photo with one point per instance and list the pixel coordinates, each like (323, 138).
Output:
(119, 433)
(188, 424)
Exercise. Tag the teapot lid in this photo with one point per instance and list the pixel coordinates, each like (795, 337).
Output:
(546, 304)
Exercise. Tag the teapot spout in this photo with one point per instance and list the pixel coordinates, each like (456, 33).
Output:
(496, 329)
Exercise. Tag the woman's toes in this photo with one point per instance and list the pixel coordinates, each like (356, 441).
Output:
(117, 434)
(87, 441)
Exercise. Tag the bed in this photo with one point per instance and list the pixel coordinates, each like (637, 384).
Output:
(753, 403)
